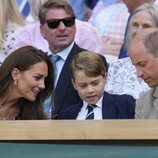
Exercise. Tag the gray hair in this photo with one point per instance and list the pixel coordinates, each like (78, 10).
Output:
(151, 8)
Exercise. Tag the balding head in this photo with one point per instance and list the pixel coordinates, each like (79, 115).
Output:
(143, 51)
(148, 38)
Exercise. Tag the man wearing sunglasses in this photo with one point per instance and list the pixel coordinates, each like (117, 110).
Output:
(58, 27)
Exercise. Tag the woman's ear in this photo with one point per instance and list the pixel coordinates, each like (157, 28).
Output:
(15, 72)
(105, 77)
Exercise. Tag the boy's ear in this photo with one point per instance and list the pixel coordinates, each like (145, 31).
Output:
(105, 77)
(73, 83)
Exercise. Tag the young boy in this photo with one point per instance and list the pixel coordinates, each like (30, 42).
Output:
(89, 75)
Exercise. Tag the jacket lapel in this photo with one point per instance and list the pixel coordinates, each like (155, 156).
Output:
(109, 109)
(72, 111)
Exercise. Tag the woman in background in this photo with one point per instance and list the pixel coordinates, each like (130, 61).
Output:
(10, 22)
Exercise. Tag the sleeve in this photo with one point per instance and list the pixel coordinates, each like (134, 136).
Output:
(125, 106)
(131, 106)
(138, 114)
(22, 38)
(86, 32)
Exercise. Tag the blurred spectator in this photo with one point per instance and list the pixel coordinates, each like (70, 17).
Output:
(111, 22)
(91, 3)
(83, 8)
(79, 8)
(10, 22)
(101, 5)
(24, 7)
(131, 5)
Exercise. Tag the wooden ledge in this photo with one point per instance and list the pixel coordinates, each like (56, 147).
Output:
(79, 130)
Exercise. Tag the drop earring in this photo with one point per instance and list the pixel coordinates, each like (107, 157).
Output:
(15, 82)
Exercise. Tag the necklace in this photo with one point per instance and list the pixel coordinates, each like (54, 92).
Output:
(8, 114)
(6, 119)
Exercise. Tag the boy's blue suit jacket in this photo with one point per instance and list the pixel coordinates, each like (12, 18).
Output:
(113, 107)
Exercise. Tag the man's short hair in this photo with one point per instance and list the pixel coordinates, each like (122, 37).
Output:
(50, 4)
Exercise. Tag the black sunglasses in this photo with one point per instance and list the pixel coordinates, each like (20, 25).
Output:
(54, 23)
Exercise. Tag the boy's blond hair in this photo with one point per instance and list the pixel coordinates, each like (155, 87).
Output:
(91, 63)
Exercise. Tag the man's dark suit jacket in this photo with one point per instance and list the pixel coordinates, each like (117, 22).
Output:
(65, 94)
(113, 107)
